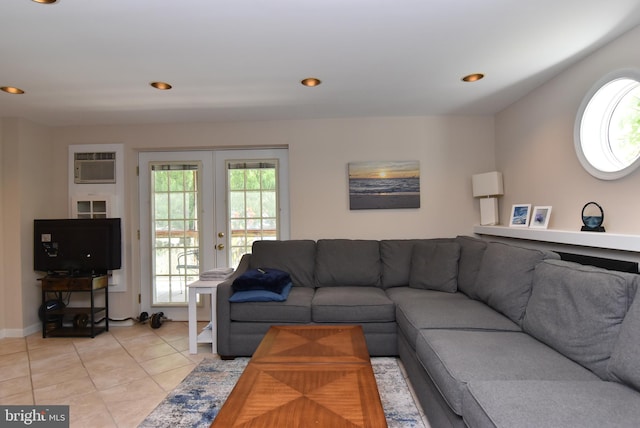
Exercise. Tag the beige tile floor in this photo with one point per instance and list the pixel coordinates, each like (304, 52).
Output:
(112, 380)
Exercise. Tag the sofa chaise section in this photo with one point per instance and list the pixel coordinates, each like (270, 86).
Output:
(455, 358)
(609, 345)
(571, 327)
(559, 404)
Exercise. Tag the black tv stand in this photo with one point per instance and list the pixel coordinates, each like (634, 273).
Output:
(83, 319)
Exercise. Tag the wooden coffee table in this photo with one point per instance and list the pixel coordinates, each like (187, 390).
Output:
(307, 376)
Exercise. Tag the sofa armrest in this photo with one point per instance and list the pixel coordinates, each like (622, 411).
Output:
(223, 308)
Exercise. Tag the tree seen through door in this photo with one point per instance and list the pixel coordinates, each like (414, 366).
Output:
(175, 230)
(252, 204)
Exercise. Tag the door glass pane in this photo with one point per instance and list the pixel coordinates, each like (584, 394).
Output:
(175, 232)
(252, 204)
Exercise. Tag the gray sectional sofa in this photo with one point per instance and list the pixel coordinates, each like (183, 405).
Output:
(491, 335)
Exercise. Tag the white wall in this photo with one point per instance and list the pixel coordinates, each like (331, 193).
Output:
(26, 194)
(3, 291)
(450, 150)
(535, 149)
(35, 200)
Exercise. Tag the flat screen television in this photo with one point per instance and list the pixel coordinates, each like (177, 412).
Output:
(77, 246)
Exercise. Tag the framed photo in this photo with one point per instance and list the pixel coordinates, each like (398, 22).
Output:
(520, 215)
(384, 185)
(540, 217)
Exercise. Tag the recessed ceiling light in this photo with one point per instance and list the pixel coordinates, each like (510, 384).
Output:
(310, 82)
(45, 1)
(163, 86)
(11, 90)
(473, 77)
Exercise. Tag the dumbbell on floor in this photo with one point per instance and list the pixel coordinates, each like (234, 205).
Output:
(156, 319)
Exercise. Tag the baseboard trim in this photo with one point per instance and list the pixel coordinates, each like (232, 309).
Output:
(17, 332)
(35, 328)
(123, 323)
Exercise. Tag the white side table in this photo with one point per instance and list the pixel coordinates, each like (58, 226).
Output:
(207, 335)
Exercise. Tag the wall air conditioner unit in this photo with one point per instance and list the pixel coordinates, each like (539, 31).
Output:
(96, 167)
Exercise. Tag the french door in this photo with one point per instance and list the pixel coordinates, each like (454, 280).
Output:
(203, 209)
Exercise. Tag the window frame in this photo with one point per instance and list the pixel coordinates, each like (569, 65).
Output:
(630, 74)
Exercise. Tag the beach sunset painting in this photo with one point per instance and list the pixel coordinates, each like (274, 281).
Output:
(384, 185)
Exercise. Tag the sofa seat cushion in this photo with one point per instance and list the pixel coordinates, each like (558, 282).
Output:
(440, 313)
(563, 404)
(408, 295)
(352, 304)
(454, 358)
(296, 309)
(341, 262)
(578, 310)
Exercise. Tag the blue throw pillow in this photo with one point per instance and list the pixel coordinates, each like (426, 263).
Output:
(261, 295)
(262, 279)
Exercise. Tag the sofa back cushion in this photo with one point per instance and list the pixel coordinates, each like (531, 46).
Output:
(348, 262)
(297, 257)
(624, 364)
(471, 253)
(434, 266)
(395, 255)
(578, 310)
(505, 277)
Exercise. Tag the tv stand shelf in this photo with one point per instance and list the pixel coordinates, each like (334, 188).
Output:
(55, 322)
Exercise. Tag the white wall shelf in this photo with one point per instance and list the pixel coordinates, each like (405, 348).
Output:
(612, 241)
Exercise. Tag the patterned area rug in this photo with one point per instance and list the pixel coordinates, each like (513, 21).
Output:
(196, 401)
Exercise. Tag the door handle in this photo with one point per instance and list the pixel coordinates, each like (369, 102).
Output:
(220, 246)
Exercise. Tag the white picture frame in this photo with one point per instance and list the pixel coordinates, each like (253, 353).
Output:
(540, 217)
(520, 214)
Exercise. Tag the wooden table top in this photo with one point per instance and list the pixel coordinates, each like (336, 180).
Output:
(307, 376)
(309, 344)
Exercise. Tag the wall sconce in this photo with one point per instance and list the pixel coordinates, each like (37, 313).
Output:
(486, 186)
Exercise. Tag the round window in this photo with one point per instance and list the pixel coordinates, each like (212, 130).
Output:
(607, 129)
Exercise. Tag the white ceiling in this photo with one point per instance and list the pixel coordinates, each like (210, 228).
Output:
(91, 61)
